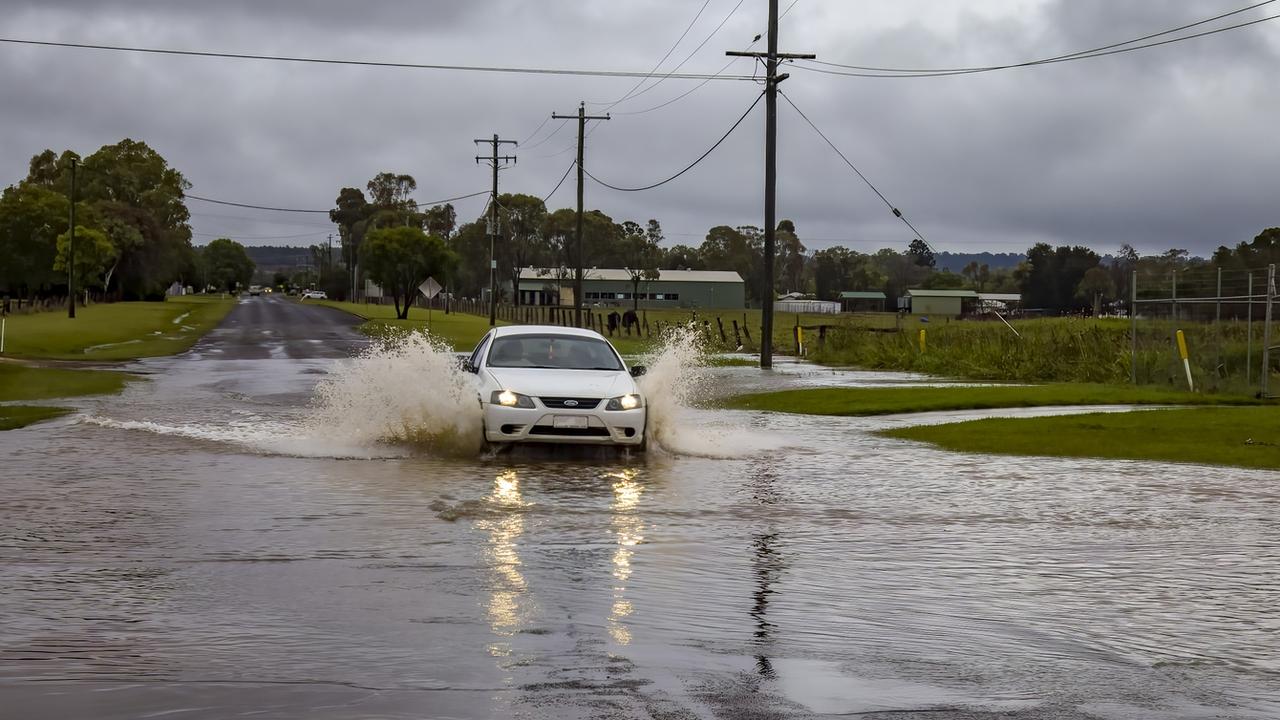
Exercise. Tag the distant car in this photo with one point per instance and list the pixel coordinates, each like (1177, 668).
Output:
(314, 295)
(255, 290)
(549, 384)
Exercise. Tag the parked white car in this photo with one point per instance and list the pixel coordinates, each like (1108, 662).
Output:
(549, 384)
(314, 295)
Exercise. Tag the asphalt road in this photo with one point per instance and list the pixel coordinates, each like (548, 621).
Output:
(270, 326)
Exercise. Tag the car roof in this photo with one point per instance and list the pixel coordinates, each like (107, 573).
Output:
(513, 330)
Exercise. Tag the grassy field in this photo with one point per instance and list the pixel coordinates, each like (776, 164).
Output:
(1246, 437)
(885, 401)
(460, 330)
(21, 382)
(1051, 350)
(16, 416)
(115, 331)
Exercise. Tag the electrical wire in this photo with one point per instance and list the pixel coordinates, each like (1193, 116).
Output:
(545, 120)
(366, 63)
(326, 212)
(548, 137)
(663, 59)
(562, 179)
(702, 84)
(1113, 49)
(681, 64)
(691, 165)
(896, 212)
(260, 237)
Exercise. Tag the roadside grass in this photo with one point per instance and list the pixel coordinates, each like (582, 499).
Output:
(116, 331)
(22, 382)
(1090, 350)
(461, 330)
(886, 401)
(13, 417)
(1247, 437)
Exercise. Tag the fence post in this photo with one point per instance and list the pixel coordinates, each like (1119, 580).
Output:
(1248, 331)
(1133, 328)
(737, 336)
(720, 323)
(1266, 332)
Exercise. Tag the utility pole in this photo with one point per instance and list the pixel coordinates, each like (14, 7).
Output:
(583, 117)
(495, 162)
(772, 78)
(71, 247)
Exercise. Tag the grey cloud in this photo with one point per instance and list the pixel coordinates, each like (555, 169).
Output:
(1166, 147)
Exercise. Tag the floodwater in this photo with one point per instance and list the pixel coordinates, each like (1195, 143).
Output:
(195, 549)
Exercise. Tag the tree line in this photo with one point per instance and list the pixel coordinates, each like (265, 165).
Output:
(132, 235)
(529, 234)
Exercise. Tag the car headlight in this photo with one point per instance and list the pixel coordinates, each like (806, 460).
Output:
(506, 398)
(630, 401)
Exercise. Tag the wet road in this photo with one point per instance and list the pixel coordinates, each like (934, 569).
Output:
(185, 550)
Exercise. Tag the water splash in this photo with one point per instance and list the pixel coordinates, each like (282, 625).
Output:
(407, 390)
(676, 379)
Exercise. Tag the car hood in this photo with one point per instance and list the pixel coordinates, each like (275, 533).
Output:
(544, 382)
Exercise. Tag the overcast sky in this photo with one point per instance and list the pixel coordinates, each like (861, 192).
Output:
(1169, 147)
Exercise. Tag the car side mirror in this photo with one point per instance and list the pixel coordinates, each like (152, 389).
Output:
(638, 370)
(468, 366)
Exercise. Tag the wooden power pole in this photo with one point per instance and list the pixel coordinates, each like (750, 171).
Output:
(582, 117)
(71, 247)
(495, 162)
(772, 78)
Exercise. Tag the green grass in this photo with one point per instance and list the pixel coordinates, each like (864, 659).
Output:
(460, 330)
(21, 382)
(115, 331)
(16, 416)
(1246, 437)
(885, 401)
(1052, 350)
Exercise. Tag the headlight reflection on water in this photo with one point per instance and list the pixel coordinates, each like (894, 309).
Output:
(504, 607)
(627, 527)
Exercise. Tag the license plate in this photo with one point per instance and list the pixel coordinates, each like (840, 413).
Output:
(569, 421)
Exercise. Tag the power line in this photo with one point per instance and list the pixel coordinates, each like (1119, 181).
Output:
(896, 212)
(326, 212)
(691, 165)
(1103, 51)
(562, 179)
(702, 84)
(687, 58)
(260, 237)
(251, 207)
(663, 59)
(369, 63)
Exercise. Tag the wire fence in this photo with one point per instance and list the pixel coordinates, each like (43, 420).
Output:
(1226, 321)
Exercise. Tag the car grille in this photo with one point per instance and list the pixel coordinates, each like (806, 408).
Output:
(571, 403)
(569, 432)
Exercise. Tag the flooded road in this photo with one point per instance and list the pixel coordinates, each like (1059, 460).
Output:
(183, 551)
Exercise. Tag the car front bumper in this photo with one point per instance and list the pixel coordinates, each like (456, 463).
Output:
(538, 425)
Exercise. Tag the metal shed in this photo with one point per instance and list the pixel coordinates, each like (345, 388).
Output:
(612, 287)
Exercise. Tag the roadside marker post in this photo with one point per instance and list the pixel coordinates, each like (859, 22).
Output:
(1186, 363)
(3, 322)
(921, 341)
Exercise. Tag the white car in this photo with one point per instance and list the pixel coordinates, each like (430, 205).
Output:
(314, 295)
(549, 384)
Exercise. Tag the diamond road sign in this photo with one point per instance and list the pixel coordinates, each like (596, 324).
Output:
(430, 288)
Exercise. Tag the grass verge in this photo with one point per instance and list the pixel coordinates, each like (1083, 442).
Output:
(886, 401)
(460, 330)
(1245, 437)
(21, 382)
(116, 331)
(13, 417)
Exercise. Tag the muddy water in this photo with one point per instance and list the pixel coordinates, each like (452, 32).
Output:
(184, 550)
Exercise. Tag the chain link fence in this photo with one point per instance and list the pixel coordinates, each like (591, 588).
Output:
(1226, 318)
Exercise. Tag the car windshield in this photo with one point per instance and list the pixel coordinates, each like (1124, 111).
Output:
(564, 352)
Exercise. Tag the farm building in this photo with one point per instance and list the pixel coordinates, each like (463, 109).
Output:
(940, 302)
(860, 301)
(1000, 302)
(795, 302)
(614, 288)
